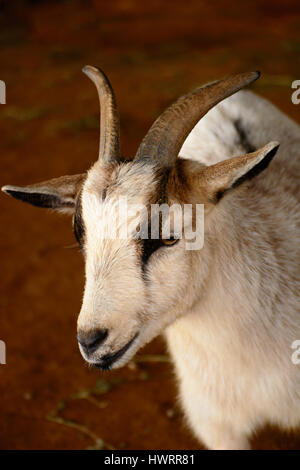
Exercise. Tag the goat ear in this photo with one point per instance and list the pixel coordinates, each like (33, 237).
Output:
(218, 179)
(58, 193)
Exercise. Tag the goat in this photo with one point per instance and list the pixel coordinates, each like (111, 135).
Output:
(229, 311)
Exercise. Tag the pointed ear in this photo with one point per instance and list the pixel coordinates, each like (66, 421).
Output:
(58, 193)
(216, 180)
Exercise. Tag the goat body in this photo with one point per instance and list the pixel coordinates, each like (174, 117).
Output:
(230, 311)
(232, 351)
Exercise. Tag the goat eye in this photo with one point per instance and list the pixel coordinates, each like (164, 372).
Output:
(170, 241)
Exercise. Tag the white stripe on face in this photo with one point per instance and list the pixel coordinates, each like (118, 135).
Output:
(115, 291)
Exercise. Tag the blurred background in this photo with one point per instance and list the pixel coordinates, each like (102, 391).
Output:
(152, 52)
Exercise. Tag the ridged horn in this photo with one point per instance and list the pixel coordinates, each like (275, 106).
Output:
(109, 148)
(165, 138)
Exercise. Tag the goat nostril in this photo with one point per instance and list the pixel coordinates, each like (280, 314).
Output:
(93, 340)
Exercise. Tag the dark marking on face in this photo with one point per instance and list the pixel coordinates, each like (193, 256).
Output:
(243, 136)
(148, 248)
(148, 245)
(78, 225)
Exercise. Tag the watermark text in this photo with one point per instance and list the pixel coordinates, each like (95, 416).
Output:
(296, 94)
(296, 354)
(2, 352)
(2, 92)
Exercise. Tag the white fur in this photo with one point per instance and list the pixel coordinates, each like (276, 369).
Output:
(233, 349)
(230, 311)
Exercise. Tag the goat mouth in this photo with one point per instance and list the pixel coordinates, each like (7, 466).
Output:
(107, 361)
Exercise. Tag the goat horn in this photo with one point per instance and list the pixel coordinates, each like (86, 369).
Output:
(109, 148)
(165, 138)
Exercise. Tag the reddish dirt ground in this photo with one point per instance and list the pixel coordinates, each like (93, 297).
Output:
(153, 52)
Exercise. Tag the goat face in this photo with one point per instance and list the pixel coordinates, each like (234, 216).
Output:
(136, 285)
(132, 283)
